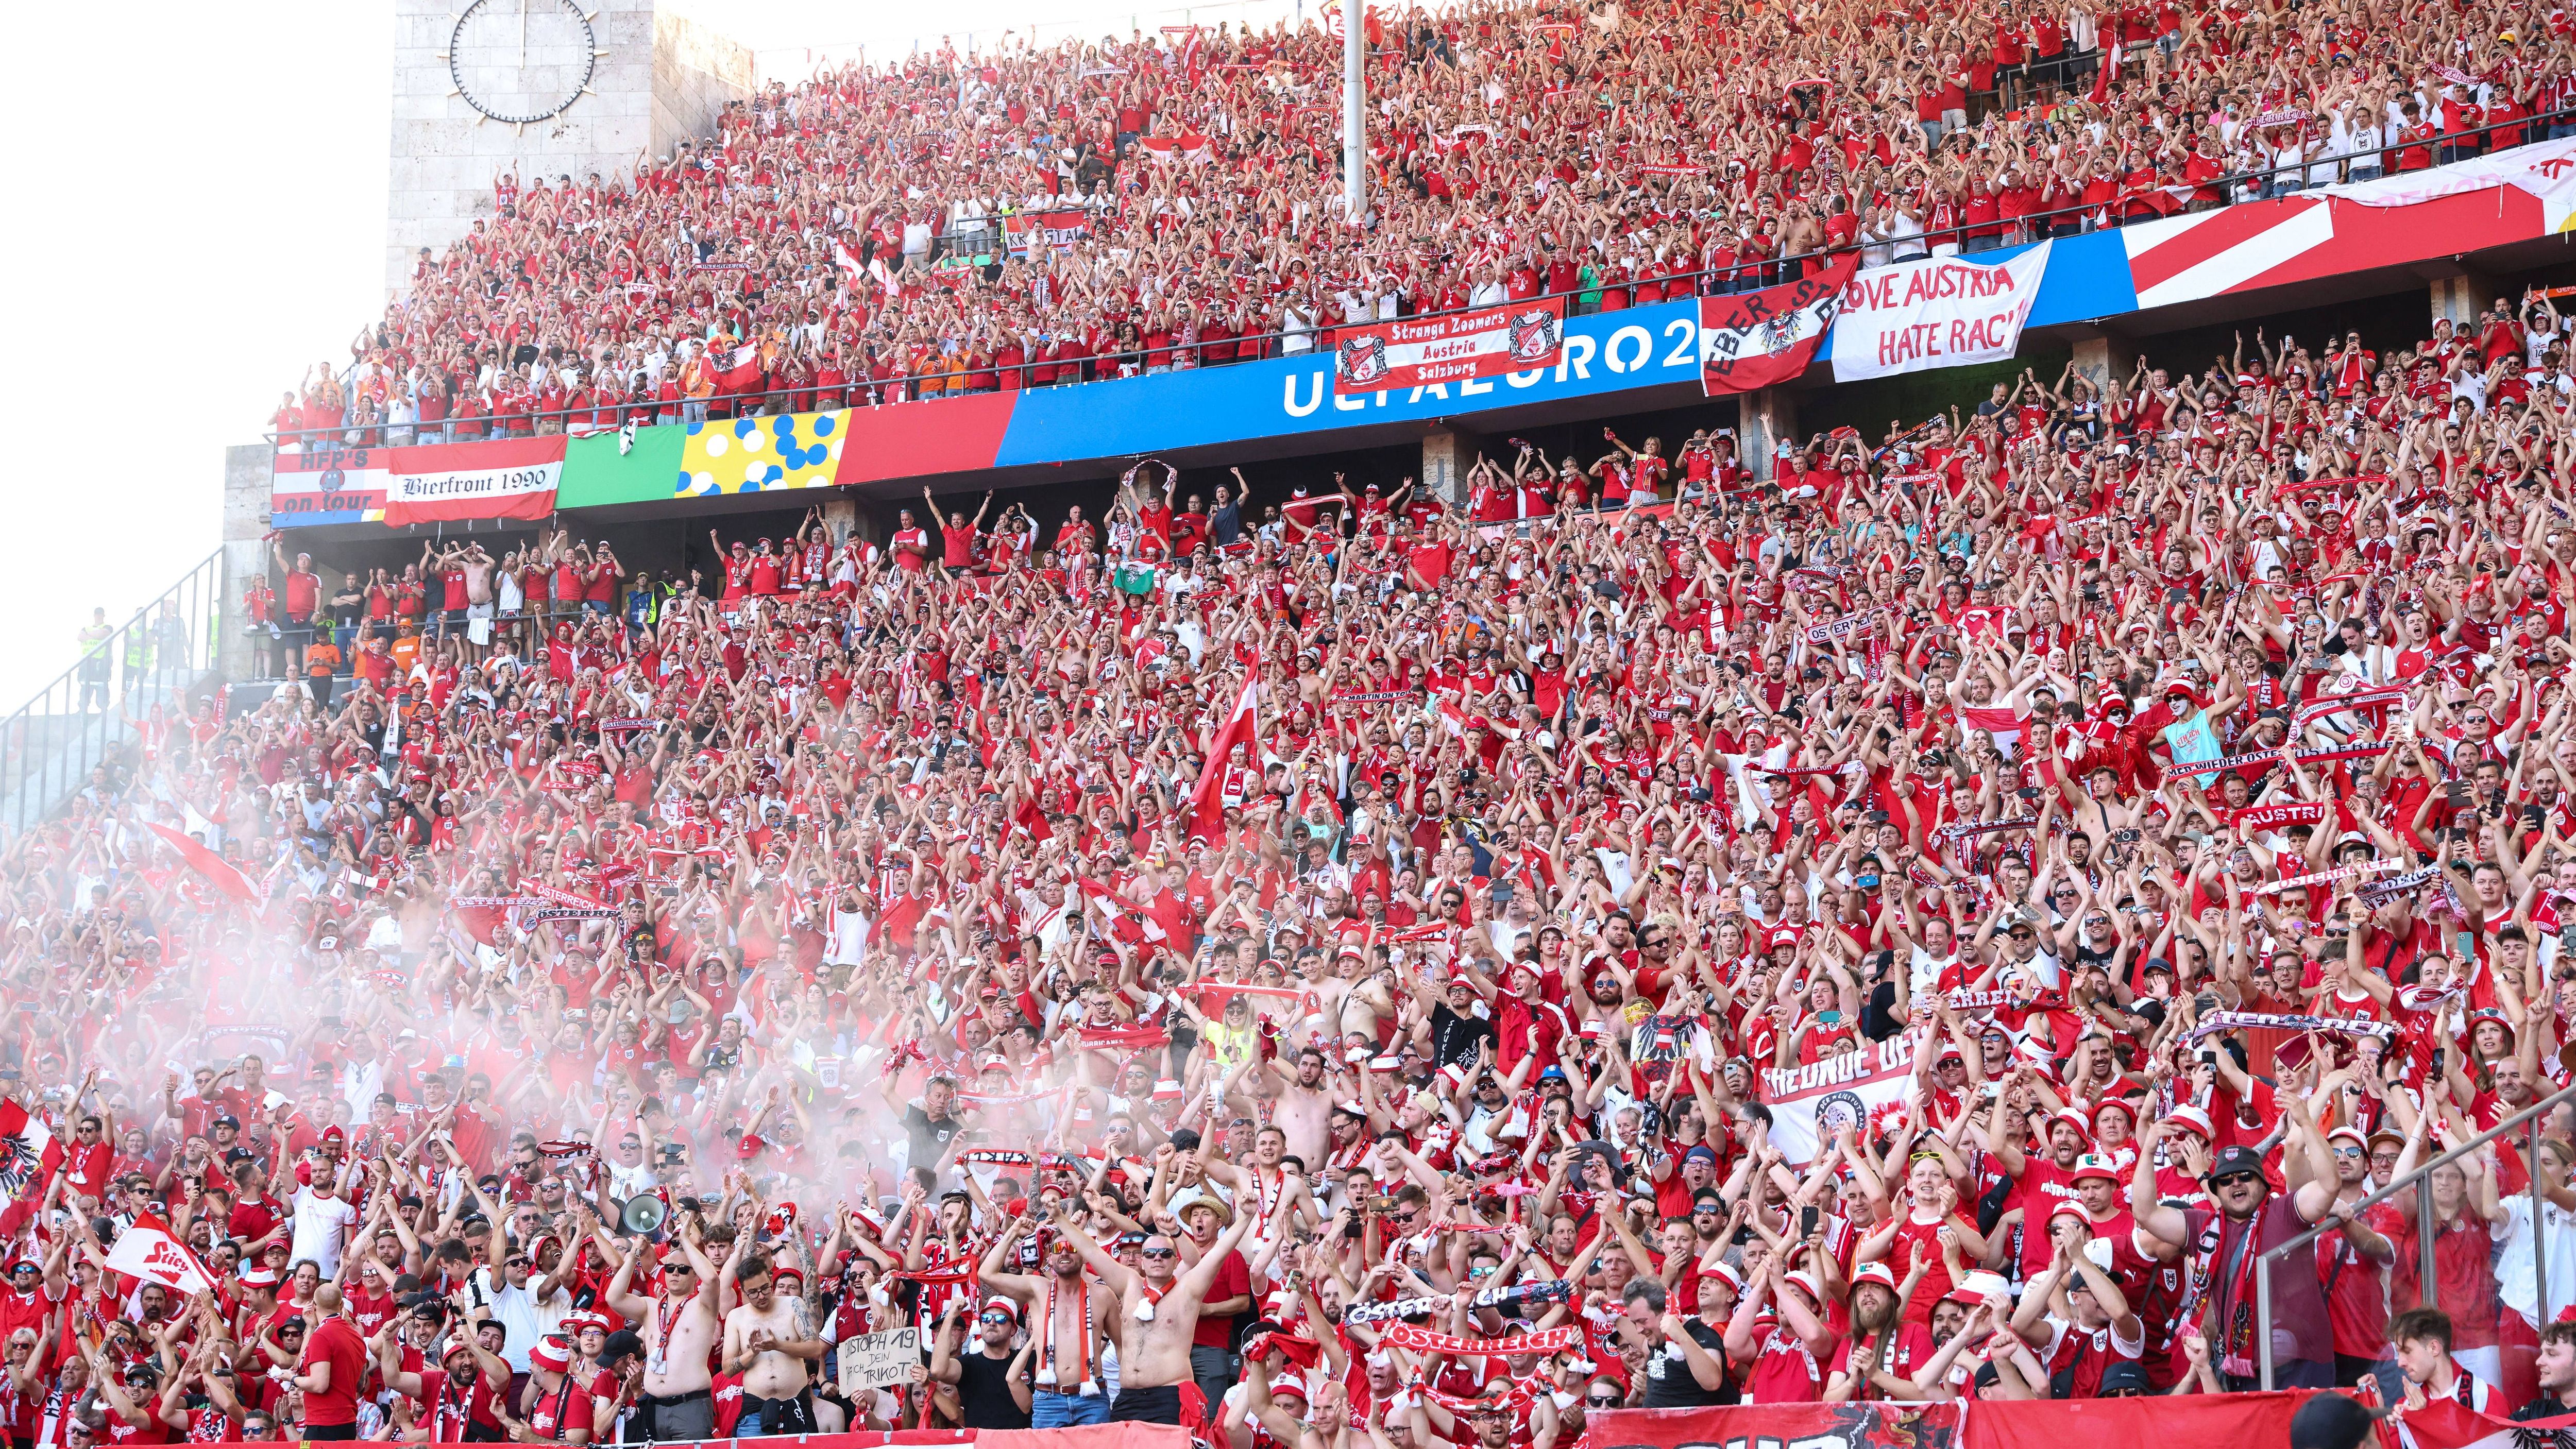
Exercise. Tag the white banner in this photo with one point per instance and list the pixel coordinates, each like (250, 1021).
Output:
(502, 478)
(878, 1360)
(1810, 1103)
(1941, 312)
(2546, 169)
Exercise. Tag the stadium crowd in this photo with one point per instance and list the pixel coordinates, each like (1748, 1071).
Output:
(866, 236)
(1924, 925)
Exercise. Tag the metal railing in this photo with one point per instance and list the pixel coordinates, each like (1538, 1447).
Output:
(118, 685)
(1743, 275)
(2420, 1182)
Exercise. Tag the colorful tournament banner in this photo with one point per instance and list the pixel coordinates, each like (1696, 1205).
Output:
(1860, 1425)
(759, 455)
(1421, 351)
(1939, 312)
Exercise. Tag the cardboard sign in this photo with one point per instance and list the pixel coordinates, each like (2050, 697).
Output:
(879, 1360)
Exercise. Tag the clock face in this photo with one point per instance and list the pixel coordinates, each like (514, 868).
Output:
(522, 61)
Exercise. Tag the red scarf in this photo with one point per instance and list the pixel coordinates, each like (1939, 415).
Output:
(1048, 1377)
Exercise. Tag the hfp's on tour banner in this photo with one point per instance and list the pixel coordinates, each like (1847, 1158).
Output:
(1421, 351)
(333, 483)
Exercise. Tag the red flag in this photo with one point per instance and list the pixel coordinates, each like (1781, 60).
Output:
(1750, 340)
(1207, 802)
(1272, 1001)
(226, 877)
(2449, 1424)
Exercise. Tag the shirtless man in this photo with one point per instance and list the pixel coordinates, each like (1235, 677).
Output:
(1270, 1187)
(769, 1348)
(1305, 1099)
(1355, 1000)
(679, 1325)
(1158, 1313)
(1071, 1327)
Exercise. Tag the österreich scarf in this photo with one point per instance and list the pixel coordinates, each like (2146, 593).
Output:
(2381, 893)
(2265, 816)
(1423, 1340)
(2218, 1021)
(2334, 704)
(2322, 877)
(2273, 757)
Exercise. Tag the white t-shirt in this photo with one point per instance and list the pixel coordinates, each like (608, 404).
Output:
(321, 1225)
(517, 1310)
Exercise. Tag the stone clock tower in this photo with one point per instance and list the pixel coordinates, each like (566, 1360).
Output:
(558, 87)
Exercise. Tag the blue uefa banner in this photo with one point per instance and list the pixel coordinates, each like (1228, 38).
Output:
(1605, 353)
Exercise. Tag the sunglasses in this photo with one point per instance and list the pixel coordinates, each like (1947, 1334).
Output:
(2233, 1178)
(1161, 1252)
(998, 1318)
(1602, 1403)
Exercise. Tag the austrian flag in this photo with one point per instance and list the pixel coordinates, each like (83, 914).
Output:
(2448, 1424)
(27, 1151)
(1752, 340)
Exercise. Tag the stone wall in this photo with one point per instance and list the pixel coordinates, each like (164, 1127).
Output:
(445, 154)
(695, 72)
(246, 483)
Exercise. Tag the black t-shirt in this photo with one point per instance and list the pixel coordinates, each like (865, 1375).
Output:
(984, 1393)
(1670, 1383)
(2546, 1406)
(1454, 1038)
(929, 1135)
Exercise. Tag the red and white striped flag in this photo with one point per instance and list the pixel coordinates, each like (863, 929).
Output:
(1131, 924)
(149, 1252)
(1193, 53)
